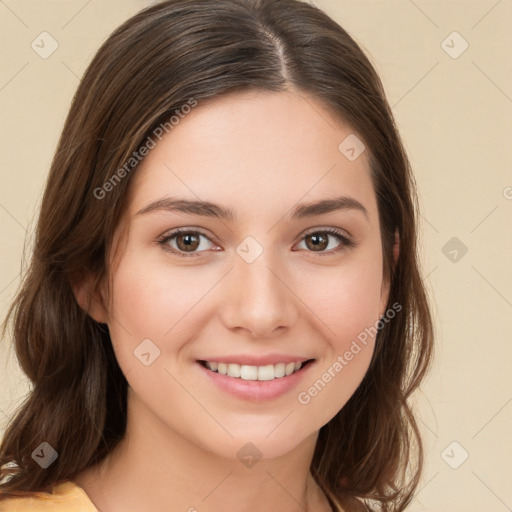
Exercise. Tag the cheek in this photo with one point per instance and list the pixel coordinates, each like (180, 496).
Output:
(334, 382)
(347, 304)
(346, 300)
(151, 299)
(157, 302)
(347, 354)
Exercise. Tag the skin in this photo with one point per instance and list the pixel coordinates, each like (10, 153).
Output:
(259, 154)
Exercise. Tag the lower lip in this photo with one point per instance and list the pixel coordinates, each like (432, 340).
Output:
(256, 390)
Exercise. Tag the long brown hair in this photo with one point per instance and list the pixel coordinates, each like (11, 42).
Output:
(150, 67)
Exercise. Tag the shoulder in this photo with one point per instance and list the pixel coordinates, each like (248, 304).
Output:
(64, 497)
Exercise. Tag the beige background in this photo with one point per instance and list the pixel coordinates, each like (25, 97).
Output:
(455, 115)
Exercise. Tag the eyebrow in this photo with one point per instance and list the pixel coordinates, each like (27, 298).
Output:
(208, 209)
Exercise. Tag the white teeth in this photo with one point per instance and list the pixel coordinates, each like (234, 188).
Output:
(247, 372)
(266, 372)
(233, 370)
(279, 370)
(289, 369)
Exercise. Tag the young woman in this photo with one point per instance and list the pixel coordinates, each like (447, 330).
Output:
(224, 309)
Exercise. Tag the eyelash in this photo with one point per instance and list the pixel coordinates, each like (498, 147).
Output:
(346, 242)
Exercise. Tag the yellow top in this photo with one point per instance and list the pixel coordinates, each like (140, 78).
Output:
(65, 497)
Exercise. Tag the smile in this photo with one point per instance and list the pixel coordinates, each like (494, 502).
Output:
(248, 372)
(255, 382)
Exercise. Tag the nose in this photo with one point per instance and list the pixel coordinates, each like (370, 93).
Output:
(258, 298)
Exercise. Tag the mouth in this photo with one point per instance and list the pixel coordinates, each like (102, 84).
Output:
(255, 373)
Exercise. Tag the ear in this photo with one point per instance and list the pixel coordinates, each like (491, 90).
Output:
(384, 295)
(91, 297)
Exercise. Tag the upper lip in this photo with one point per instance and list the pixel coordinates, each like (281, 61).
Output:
(254, 360)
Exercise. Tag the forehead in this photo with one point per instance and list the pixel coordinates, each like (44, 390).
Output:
(254, 151)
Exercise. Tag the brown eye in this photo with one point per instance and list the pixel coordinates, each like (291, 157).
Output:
(317, 241)
(187, 242)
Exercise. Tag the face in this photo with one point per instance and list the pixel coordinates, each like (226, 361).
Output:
(253, 284)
